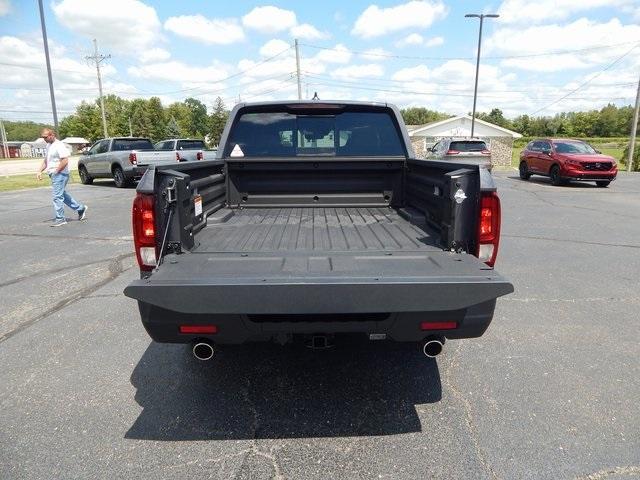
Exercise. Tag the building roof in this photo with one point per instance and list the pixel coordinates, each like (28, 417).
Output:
(461, 126)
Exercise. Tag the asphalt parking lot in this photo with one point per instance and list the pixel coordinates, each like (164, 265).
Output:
(550, 391)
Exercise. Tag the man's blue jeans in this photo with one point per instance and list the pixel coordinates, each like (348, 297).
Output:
(60, 197)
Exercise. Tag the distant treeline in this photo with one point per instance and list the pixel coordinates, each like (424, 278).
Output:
(191, 118)
(609, 121)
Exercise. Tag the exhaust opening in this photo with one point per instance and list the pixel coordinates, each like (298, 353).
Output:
(203, 351)
(432, 347)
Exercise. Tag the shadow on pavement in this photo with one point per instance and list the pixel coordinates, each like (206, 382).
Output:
(267, 392)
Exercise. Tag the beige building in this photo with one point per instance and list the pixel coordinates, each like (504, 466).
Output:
(499, 139)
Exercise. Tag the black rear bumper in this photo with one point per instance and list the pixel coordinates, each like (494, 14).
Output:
(162, 325)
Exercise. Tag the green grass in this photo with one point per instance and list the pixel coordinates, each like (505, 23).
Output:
(18, 182)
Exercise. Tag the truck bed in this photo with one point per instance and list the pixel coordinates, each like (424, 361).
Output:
(312, 229)
(322, 260)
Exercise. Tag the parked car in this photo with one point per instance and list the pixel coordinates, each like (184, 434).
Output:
(467, 150)
(184, 149)
(113, 158)
(564, 159)
(340, 231)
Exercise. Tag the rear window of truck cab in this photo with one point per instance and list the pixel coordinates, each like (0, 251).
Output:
(190, 145)
(468, 146)
(284, 134)
(122, 144)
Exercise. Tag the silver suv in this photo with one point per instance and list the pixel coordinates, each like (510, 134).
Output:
(467, 150)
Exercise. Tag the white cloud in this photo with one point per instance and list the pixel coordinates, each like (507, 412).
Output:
(5, 7)
(125, 26)
(154, 55)
(25, 80)
(176, 71)
(211, 31)
(307, 31)
(417, 39)
(278, 66)
(274, 47)
(579, 35)
(413, 39)
(358, 71)
(526, 12)
(375, 55)
(419, 72)
(338, 54)
(376, 21)
(269, 19)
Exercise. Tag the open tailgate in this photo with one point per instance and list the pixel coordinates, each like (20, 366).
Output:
(271, 283)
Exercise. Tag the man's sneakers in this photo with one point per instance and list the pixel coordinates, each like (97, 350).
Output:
(58, 222)
(82, 213)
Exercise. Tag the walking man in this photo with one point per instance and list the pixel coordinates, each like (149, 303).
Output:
(56, 165)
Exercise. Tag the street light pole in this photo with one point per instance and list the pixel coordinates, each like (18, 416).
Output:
(46, 56)
(481, 16)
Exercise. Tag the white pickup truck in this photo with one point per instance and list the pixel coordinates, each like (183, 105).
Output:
(172, 151)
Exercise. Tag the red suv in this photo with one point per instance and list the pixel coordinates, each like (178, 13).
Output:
(565, 159)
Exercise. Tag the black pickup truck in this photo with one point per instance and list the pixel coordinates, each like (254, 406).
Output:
(316, 221)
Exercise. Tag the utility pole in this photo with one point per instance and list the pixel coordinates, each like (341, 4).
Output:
(634, 126)
(130, 129)
(97, 59)
(475, 89)
(3, 138)
(46, 56)
(298, 71)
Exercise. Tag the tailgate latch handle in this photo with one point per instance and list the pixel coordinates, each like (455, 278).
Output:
(170, 195)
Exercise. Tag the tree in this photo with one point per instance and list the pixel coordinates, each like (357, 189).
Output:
(27, 131)
(140, 121)
(182, 115)
(199, 122)
(86, 123)
(421, 115)
(117, 113)
(522, 124)
(157, 122)
(217, 121)
(173, 130)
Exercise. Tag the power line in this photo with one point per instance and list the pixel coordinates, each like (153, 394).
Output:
(495, 57)
(426, 93)
(588, 81)
(242, 72)
(375, 82)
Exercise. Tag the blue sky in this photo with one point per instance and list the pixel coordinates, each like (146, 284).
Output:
(537, 58)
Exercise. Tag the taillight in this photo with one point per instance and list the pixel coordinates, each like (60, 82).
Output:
(199, 156)
(177, 157)
(485, 152)
(132, 158)
(191, 329)
(453, 152)
(144, 231)
(489, 228)
(438, 325)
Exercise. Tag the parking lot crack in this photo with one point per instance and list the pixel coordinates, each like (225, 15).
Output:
(115, 269)
(469, 420)
(68, 237)
(41, 273)
(582, 242)
(611, 472)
